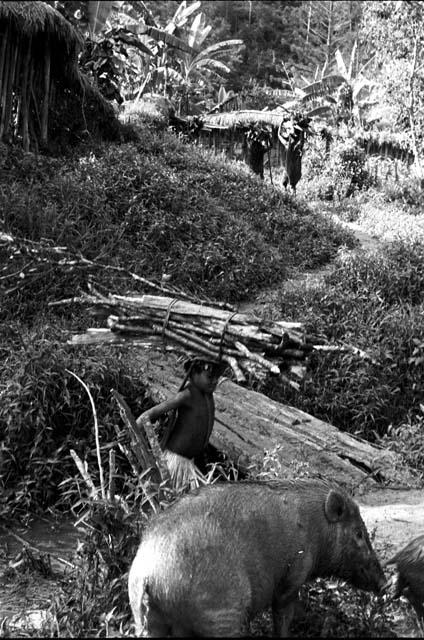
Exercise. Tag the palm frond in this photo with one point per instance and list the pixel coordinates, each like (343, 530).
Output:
(222, 46)
(166, 38)
(129, 38)
(352, 59)
(183, 12)
(328, 84)
(199, 31)
(320, 112)
(211, 64)
(340, 63)
(171, 73)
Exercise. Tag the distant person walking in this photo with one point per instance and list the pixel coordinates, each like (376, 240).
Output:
(189, 429)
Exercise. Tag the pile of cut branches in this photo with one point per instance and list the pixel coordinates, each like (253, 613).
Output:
(249, 346)
(26, 262)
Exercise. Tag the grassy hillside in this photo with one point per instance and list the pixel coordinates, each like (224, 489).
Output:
(160, 206)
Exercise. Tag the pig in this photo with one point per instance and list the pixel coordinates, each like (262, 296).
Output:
(409, 577)
(220, 554)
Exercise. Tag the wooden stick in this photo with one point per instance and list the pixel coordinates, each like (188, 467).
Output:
(112, 472)
(86, 476)
(46, 93)
(240, 377)
(255, 357)
(180, 306)
(96, 433)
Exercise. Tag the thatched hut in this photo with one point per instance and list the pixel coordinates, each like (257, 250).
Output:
(43, 95)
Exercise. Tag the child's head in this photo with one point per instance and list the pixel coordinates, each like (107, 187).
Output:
(204, 373)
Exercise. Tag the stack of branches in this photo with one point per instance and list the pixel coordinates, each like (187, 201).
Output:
(251, 347)
(27, 262)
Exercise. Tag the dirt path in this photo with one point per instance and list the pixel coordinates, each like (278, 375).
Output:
(393, 517)
(310, 279)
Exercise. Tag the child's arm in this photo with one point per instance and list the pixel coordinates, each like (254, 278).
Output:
(180, 399)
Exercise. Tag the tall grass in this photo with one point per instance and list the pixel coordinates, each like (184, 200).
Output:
(372, 301)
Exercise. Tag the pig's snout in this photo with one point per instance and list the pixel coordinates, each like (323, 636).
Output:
(370, 577)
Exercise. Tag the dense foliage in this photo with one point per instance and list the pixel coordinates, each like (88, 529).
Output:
(45, 412)
(284, 38)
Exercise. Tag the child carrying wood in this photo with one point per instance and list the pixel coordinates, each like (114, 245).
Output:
(190, 428)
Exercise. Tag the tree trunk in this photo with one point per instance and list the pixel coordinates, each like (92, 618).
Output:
(247, 424)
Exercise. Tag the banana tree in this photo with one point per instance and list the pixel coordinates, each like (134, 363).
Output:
(197, 69)
(184, 72)
(162, 74)
(123, 39)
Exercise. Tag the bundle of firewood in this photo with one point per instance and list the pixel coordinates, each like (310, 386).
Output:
(247, 344)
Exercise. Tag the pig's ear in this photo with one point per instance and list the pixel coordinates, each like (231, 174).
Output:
(335, 506)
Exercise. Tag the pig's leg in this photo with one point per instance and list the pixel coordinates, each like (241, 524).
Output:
(283, 608)
(153, 624)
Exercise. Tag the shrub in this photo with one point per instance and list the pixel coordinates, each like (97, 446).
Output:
(341, 172)
(407, 440)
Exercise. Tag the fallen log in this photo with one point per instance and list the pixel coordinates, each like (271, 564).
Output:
(247, 424)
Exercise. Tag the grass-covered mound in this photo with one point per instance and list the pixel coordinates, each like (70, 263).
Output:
(158, 207)
(373, 301)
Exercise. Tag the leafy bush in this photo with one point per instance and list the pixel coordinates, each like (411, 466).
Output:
(407, 440)
(373, 302)
(341, 172)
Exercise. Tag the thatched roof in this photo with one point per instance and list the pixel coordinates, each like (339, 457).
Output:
(244, 118)
(39, 18)
(39, 56)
